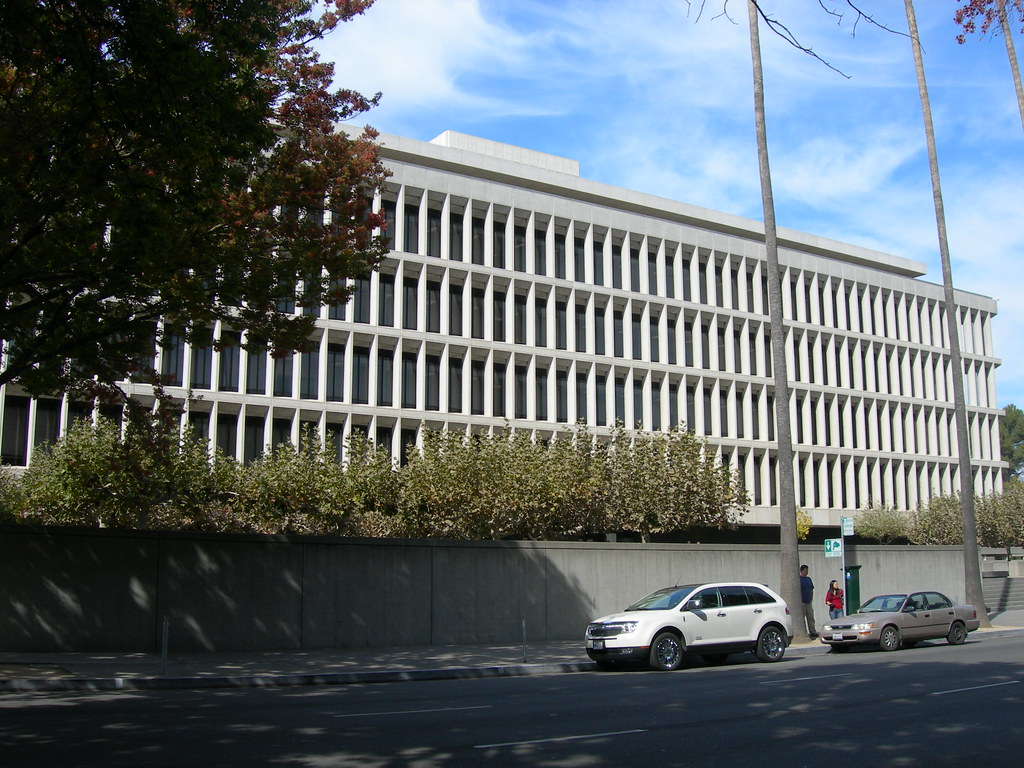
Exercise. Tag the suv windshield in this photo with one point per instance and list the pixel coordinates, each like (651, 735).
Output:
(883, 604)
(663, 599)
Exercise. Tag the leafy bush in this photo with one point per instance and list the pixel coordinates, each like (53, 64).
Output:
(803, 523)
(939, 522)
(883, 523)
(367, 494)
(12, 497)
(668, 481)
(99, 475)
(86, 478)
(285, 490)
(1001, 517)
(480, 486)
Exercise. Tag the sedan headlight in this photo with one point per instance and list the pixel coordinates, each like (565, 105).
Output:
(863, 625)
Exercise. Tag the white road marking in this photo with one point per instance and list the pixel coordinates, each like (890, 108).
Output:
(975, 688)
(413, 711)
(800, 679)
(560, 738)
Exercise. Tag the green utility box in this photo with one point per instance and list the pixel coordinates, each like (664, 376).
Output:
(852, 588)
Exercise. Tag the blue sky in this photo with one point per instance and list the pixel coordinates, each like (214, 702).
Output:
(647, 96)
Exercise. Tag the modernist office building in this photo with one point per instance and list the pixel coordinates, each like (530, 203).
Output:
(518, 293)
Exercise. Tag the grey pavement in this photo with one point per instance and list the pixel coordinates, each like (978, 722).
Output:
(28, 672)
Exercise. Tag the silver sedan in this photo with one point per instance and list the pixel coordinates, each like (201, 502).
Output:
(901, 620)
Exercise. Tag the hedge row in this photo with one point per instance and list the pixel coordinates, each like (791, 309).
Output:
(486, 486)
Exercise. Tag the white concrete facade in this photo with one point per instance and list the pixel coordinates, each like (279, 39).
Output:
(517, 292)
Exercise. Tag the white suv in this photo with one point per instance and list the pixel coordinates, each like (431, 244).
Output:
(708, 620)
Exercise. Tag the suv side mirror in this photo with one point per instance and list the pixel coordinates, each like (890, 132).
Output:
(691, 605)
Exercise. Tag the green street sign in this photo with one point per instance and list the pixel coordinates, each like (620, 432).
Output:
(847, 523)
(833, 547)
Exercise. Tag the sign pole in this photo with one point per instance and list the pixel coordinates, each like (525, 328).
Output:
(846, 529)
(843, 572)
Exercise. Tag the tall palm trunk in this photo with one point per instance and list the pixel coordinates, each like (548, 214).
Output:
(1004, 22)
(788, 547)
(972, 564)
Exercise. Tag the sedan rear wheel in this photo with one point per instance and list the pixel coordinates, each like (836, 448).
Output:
(957, 634)
(666, 652)
(889, 640)
(771, 645)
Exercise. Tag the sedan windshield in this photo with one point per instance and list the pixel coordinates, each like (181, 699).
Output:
(663, 599)
(883, 604)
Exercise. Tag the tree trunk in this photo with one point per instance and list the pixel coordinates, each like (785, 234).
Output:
(788, 545)
(972, 564)
(1004, 21)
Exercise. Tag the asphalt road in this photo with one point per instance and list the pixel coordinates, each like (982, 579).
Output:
(933, 705)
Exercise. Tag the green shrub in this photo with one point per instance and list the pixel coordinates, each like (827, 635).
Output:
(882, 522)
(938, 522)
(12, 497)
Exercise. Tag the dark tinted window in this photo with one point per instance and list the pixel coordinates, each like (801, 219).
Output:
(937, 601)
(916, 603)
(757, 596)
(707, 599)
(733, 596)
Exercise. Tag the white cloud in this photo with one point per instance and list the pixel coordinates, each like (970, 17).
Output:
(647, 98)
(416, 51)
(824, 169)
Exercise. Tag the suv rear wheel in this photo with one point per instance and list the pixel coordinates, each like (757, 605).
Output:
(771, 645)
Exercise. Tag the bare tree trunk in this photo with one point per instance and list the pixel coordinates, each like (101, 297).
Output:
(1004, 21)
(788, 545)
(972, 564)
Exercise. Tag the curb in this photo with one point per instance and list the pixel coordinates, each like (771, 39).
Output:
(32, 685)
(206, 682)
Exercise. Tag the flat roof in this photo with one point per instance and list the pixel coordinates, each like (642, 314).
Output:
(505, 163)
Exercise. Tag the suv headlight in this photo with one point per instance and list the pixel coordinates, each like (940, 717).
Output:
(612, 629)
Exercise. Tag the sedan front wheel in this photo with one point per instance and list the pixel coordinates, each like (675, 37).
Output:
(889, 640)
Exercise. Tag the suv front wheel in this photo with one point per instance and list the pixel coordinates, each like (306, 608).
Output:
(771, 645)
(666, 651)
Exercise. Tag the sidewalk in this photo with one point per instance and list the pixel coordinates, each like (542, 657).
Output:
(28, 672)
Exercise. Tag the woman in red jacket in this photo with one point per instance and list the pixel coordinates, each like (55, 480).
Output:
(834, 600)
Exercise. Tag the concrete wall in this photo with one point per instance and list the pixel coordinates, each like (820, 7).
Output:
(96, 590)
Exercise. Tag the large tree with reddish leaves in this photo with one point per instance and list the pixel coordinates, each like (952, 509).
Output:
(168, 165)
(989, 12)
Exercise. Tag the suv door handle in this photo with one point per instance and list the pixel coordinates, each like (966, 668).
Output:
(722, 613)
(758, 610)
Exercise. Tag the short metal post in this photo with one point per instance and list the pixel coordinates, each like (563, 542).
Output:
(524, 639)
(163, 647)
